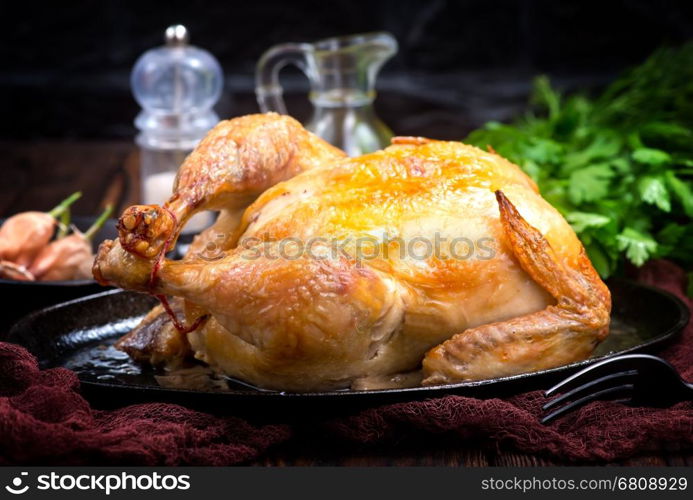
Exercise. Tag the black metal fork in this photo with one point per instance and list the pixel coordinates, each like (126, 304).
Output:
(637, 379)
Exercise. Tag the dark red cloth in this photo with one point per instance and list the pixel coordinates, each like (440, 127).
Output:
(44, 419)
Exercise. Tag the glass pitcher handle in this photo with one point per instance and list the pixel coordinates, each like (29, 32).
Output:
(267, 87)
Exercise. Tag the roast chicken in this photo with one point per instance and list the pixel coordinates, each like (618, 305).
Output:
(429, 261)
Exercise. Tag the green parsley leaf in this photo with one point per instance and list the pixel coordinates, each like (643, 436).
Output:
(582, 220)
(683, 192)
(653, 190)
(650, 156)
(589, 183)
(638, 246)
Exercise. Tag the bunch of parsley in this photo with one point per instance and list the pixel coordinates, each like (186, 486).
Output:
(619, 166)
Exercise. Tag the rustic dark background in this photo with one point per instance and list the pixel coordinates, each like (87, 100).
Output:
(64, 66)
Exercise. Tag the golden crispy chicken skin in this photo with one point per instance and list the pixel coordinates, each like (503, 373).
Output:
(427, 256)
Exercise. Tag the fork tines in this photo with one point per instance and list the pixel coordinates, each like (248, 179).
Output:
(598, 381)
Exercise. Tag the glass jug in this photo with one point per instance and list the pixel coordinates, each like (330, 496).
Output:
(342, 73)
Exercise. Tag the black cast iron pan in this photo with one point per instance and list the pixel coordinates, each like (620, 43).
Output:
(79, 335)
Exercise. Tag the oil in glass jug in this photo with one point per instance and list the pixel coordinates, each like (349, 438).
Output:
(342, 73)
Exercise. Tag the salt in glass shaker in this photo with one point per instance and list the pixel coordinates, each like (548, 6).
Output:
(177, 86)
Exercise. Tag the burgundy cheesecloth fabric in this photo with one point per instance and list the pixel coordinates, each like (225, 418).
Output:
(45, 420)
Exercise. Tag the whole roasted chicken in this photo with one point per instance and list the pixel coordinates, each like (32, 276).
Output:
(432, 261)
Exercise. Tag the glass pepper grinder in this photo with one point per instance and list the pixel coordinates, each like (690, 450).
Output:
(177, 86)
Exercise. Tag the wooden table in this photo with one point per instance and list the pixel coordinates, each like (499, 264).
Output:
(37, 175)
